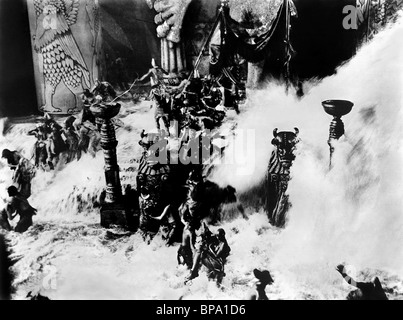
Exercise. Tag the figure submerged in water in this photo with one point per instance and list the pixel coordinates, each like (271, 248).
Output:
(17, 204)
(365, 290)
(24, 171)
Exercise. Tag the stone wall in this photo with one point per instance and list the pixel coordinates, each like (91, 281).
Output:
(130, 37)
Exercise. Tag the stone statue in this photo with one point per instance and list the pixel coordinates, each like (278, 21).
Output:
(169, 20)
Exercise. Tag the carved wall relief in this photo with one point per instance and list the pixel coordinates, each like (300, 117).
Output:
(66, 44)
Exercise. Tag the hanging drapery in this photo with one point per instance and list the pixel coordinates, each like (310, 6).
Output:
(231, 38)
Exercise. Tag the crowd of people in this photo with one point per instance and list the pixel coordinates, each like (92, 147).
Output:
(189, 100)
(191, 103)
(55, 146)
(185, 107)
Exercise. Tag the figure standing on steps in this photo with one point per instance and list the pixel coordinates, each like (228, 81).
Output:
(62, 60)
(71, 138)
(158, 94)
(156, 75)
(162, 105)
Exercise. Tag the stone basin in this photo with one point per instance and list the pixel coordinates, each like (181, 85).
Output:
(337, 108)
(105, 111)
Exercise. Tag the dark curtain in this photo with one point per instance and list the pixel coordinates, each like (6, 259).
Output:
(318, 42)
(129, 39)
(269, 46)
(319, 39)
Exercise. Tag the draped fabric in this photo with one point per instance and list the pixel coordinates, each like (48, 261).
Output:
(231, 39)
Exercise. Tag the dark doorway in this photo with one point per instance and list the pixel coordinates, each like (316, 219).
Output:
(17, 82)
(319, 39)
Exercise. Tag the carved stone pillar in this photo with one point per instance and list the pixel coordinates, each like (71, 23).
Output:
(337, 109)
(112, 212)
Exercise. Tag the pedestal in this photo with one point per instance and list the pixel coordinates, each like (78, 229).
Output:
(113, 214)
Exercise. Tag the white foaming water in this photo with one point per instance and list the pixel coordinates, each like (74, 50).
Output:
(352, 213)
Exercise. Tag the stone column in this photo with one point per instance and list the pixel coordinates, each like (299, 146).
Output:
(112, 211)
